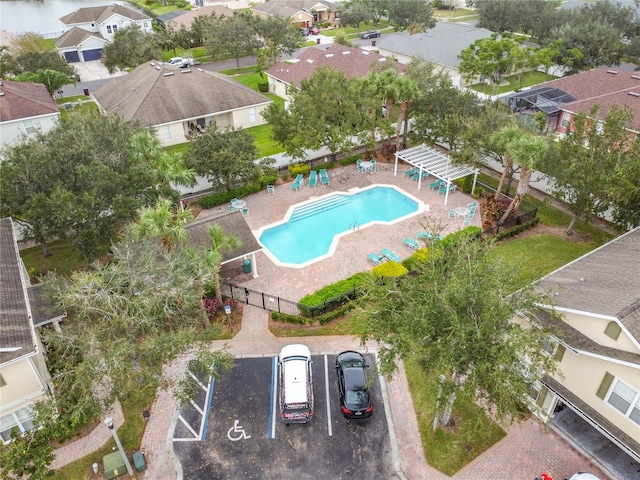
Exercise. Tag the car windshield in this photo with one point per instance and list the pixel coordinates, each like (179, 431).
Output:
(357, 397)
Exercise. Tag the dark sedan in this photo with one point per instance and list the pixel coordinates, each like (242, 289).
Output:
(370, 34)
(353, 383)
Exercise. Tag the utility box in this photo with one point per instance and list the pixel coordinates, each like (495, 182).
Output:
(246, 265)
(114, 466)
(138, 462)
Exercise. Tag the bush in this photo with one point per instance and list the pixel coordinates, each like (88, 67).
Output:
(263, 87)
(478, 192)
(333, 314)
(336, 293)
(461, 235)
(350, 160)
(220, 198)
(517, 229)
(297, 168)
(467, 184)
(389, 269)
(422, 255)
(285, 317)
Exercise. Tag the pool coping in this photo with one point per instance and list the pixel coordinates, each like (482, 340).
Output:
(422, 208)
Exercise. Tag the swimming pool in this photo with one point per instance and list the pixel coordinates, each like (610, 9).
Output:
(311, 230)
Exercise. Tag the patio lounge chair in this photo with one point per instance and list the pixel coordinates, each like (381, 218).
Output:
(452, 213)
(443, 188)
(271, 189)
(297, 182)
(429, 236)
(409, 173)
(376, 259)
(391, 255)
(313, 178)
(437, 184)
(411, 243)
(324, 177)
(245, 212)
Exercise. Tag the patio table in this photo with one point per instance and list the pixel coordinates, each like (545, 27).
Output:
(365, 166)
(239, 204)
(461, 211)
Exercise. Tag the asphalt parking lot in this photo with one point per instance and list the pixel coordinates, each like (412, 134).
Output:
(241, 435)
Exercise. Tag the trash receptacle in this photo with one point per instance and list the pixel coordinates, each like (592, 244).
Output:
(138, 461)
(86, 91)
(246, 265)
(373, 43)
(317, 41)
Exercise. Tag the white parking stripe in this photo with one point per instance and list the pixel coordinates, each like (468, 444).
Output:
(274, 399)
(326, 386)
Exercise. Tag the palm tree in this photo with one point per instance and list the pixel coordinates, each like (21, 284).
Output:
(502, 139)
(219, 243)
(164, 221)
(527, 151)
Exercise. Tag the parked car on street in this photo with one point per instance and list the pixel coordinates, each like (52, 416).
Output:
(314, 30)
(370, 34)
(180, 62)
(304, 31)
(353, 385)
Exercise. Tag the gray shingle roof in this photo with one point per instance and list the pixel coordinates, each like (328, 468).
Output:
(186, 18)
(354, 62)
(75, 36)
(100, 14)
(24, 100)
(156, 93)
(605, 281)
(441, 44)
(287, 8)
(43, 310)
(16, 331)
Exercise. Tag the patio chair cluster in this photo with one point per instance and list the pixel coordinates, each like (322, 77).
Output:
(443, 188)
(385, 255)
(415, 174)
(472, 211)
(368, 166)
(297, 183)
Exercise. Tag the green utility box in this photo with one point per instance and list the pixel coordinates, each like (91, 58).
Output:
(246, 265)
(138, 461)
(113, 465)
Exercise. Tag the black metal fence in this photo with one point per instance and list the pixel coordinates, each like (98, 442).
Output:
(512, 222)
(260, 299)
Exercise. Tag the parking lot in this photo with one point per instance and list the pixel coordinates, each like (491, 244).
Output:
(241, 434)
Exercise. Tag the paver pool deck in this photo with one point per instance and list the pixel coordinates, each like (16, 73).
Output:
(524, 453)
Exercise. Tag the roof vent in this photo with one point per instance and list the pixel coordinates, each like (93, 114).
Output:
(168, 74)
(309, 60)
(158, 67)
(153, 64)
(612, 72)
(364, 52)
(186, 71)
(383, 59)
(346, 53)
(635, 77)
(634, 94)
(329, 55)
(1, 94)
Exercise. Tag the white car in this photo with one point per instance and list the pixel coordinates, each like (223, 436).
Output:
(583, 476)
(180, 62)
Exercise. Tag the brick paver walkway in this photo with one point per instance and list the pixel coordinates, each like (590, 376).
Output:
(523, 454)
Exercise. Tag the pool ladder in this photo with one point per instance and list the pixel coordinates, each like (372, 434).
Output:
(354, 226)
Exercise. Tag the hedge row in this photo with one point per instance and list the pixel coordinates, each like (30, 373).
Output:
(220, 198)
(517, 229)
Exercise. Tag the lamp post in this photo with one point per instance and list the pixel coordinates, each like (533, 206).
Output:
(109, 423)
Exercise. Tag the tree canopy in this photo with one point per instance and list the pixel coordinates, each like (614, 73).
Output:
(413, 15)
(130, 47)
(79, 181)
(455, 318)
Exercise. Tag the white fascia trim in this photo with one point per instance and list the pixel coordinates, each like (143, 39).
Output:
(607, 359)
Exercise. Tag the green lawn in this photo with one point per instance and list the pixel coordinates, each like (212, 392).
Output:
(528, 79)
(64, 259)
(456, 15)
(87, 108)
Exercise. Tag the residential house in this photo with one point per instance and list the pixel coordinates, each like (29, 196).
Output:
(180, 102)
(232, 4)
(354, 62)
(91, 28)
(440, 45)
(25, 108)
(7, 39)
(301, 12)
(598, 341)
(24, 378)
(182, 18)
(561, 99)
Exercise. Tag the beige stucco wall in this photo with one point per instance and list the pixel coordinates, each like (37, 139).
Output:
(11, 132)
(583, 374)
(594, 329)
(278, 87)
(23, 386)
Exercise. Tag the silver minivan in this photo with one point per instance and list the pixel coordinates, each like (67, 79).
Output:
(296, 384)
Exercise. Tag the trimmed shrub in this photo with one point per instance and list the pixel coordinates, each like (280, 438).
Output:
(333, 314)
(350, 160)
(263, 87)
(287, 318)
(297, 168)
(389, 269)
(459, 236)
(467, 185)
(337, 293)
(517, 229)
(220, 198)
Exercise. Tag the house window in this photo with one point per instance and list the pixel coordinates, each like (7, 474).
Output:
(21, 419)
(566, 119)
(109, 29)
(29, 127)
(146, 25)
(252, 114)
(112, 28)
(625, 399)
(613, 330)
(166, 130)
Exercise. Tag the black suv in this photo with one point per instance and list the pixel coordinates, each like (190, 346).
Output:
(353, 385)
(370, 34)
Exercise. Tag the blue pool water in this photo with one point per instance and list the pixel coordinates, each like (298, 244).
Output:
(313, 228)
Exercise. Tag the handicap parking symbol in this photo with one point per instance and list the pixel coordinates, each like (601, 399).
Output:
(236, 432)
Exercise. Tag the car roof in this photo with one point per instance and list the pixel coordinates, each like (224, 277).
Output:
(295, 350)
(350, 358)
(354, 378)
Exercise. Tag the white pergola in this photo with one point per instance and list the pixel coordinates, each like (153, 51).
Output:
(437, 164)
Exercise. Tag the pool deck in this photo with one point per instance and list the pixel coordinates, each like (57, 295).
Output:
(351, 252)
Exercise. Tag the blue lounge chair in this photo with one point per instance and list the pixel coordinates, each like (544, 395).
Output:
(245, 212)
(409, 173)
(271, 189)
(324, 177)
(313, 178)
(297, 182)
(390, 255)
(443, 188)
(411, 243)
(376, 259)
(429, 236)
(437, 184)
(452, 213)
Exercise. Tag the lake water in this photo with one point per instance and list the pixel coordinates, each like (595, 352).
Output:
(42, 16)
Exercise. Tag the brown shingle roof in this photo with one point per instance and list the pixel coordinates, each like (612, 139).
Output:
(155, 93)
(605, 281)
(354, 62)
(231, 223)
(603, 87)
(187, 18)
(75, 36)
(100, 14)
(16, 331)
(24, 100)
